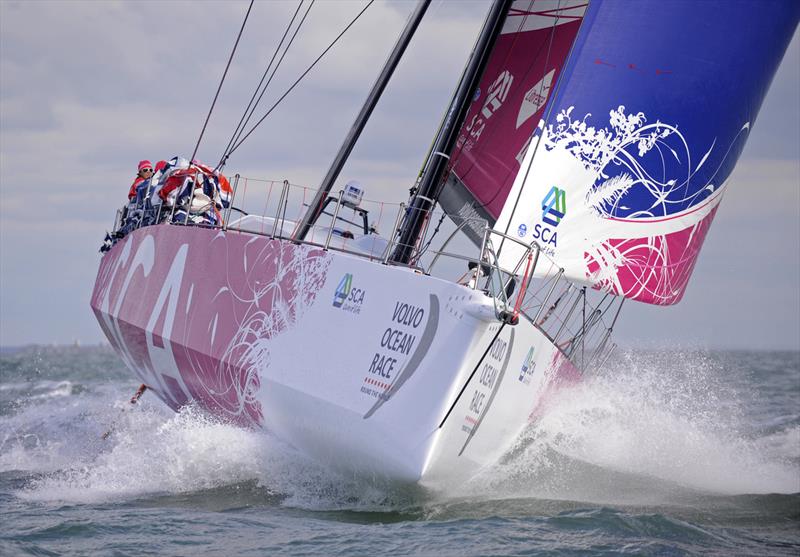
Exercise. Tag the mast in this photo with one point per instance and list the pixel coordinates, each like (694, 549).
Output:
(315, 209)
(436, 166)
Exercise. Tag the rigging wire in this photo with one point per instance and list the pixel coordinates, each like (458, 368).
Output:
(245, 116)
(299, 79)
(425, 247)
(456, 154)
(546, 117)
(297, 30)
(221, 81)
(458, 151)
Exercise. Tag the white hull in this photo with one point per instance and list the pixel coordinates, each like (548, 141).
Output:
(353, 362)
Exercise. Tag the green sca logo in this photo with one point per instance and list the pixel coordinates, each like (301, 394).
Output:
(343, 290)
(554, 206)
(527, 365)
(348, 297)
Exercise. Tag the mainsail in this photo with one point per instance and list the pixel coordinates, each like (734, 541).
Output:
(524, 64)
(622, 180)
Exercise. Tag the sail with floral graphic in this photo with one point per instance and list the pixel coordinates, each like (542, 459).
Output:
(622, 180)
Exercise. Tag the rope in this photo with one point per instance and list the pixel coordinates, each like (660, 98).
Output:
(278, 65)
(221, 81)
(244, 195)
(289, 90)
(524, 287)
(245, 117)
(266, 206)
(464, 388)
(432, 236)
(380, 217)
(553, 308)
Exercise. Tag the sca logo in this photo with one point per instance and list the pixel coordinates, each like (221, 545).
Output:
(527, 367)
(347, 297)
(554, 207)
(495, 97)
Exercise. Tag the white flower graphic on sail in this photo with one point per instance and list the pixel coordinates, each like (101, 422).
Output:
(636, 215)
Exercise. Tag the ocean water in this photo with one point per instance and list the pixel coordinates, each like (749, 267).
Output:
(660, 453)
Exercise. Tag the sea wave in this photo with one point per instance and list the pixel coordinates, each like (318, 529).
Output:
(652, 427)
(649, 429)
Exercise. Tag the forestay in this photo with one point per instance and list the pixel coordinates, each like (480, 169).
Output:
(524, 64)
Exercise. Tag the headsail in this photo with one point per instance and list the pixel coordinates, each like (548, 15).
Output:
(523, 67)
(622, 182)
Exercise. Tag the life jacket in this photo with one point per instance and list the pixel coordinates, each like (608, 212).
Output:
(132, 192)
(224, 186)
(225, 191)
(176, 180)
(213, 184)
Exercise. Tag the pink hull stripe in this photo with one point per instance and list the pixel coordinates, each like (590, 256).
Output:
(191, 311)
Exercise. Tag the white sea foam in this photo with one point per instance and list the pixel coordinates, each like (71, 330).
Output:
(151, 453)
(51, 389)
(148, 453)
(41, 389)
(654, 426)
(782, 444)
(651, 429)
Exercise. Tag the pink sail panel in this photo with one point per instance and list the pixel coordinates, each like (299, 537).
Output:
(204, 340)
(521, 74)
(656, 270)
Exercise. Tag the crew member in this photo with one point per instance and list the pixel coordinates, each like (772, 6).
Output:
(145, 171)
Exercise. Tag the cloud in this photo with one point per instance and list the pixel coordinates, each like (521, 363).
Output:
(775, 179)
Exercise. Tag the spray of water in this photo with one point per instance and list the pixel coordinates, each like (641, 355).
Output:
(651, 428)
(152, 452)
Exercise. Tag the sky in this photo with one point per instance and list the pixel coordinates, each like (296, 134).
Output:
(87, 89)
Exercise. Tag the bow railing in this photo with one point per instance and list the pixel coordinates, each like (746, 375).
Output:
(579, 321)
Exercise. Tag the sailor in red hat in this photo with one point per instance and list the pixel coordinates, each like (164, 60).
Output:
(145, 171)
